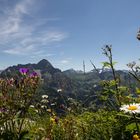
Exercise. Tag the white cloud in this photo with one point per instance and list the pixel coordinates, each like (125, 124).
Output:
(41, 55)
(25, 37)
(13, 18)
(20, 50)
(22, 7)
(33, 44)
(64, 61)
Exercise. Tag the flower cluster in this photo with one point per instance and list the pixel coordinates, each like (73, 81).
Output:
(16, 97)
(24, 71)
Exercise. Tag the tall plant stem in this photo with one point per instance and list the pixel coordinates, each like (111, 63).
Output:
(136, 122)
(108, 53)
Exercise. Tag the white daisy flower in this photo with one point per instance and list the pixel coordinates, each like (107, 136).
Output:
(32, 106)
(43, 106)
(59, 90)
(44, 96)
(131, 108)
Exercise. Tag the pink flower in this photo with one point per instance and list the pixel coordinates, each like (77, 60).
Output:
(34, 74)
(11, 82)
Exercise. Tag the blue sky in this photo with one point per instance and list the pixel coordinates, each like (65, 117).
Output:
(66, 32)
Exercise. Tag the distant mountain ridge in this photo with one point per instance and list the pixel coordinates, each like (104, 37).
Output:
(55, 75)
(43, 65)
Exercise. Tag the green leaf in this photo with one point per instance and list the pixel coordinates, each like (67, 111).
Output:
(137, 90)
(106, 64)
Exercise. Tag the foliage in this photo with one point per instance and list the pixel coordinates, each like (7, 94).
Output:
(30, 111)
(89, 125)
(16, 96)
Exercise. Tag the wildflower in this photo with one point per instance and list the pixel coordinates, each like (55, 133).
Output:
(62, 106)
(52, 119)
(59, 90)
(70, 99)
(53, 104)
(11, 82)
(44, 96)
(34, 74)
(56, 119)
(23, 71)
(36, 111)
(44, 101)
(69, 109)
(32, 106)
(131, 108)
(41, 129)
(49, 110)
(43, 106)
(3, 110)
(94, 85)
(136, 137)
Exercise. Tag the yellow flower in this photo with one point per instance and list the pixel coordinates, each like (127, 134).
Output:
(136, 137)
(52, 120)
